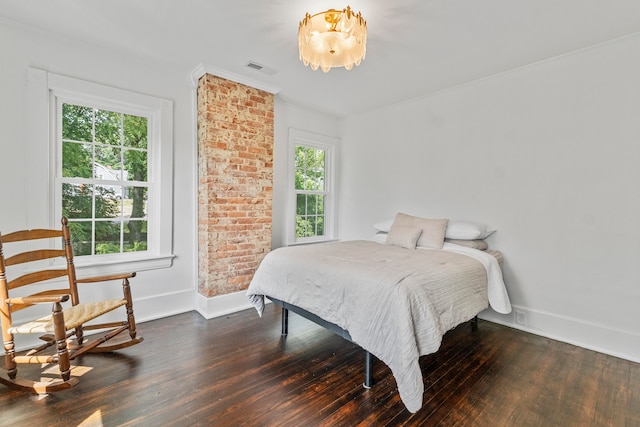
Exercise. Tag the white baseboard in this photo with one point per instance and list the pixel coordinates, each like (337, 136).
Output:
(144, 309)
(592, 336)
(221, 305)
(163, 305)
(589, 335)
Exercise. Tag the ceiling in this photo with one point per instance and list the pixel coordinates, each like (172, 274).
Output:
(414, 48)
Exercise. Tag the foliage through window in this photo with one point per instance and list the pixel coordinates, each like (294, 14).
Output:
(104, 179)
(310, 191)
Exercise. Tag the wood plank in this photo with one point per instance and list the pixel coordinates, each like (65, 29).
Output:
(33, 256)
(17, 236)
(35, 277)
(238, 370)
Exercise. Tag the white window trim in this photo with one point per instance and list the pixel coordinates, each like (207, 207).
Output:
(43, 91)
(330, 145)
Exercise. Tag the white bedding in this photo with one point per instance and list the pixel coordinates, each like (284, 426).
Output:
(396, 303)
(498, 297)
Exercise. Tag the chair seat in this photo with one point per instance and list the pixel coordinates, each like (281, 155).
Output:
(63, 329)
(73, 317)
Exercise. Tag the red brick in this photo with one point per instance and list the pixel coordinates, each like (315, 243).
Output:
(235, 166)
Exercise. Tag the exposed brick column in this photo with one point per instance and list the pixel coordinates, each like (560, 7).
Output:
(235, 189)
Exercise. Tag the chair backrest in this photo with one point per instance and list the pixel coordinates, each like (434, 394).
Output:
(43, 240)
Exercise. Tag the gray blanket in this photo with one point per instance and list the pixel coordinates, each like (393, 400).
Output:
(396, 303)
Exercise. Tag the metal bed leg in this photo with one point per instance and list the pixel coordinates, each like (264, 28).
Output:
(285, 321)
(368, 382)
(474, 324)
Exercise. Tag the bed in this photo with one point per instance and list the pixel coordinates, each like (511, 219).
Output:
(395, 302)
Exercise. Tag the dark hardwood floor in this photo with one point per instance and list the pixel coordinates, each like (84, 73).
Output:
(237, 370)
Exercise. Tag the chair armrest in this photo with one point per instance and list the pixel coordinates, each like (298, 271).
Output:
(106, 278)
(37, 300)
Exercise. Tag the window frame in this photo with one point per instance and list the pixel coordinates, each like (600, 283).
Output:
(45, 92)
(61, 180)
(329, 145)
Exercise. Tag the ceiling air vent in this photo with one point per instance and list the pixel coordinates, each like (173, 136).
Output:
(261, 68)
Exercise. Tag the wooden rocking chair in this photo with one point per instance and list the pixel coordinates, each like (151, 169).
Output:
(61, 325)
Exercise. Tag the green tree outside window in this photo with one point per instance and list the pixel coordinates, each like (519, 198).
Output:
(104, 179)
(310, 191)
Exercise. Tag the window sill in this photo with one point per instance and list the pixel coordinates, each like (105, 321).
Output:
(94, 267)
(312, 242)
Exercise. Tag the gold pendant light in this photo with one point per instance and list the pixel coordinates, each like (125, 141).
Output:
(334, 38)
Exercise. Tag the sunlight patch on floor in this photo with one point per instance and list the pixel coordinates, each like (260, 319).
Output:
(94, 420)
(76, 371)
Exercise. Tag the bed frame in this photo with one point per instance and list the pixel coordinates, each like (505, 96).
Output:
(368, 357)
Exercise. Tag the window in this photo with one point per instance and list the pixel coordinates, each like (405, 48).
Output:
(106, 164)
(103, 179)
(312, 161)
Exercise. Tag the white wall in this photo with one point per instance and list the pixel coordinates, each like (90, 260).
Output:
(161, 292)
(157, 293)
(289, 116)
(549, 155)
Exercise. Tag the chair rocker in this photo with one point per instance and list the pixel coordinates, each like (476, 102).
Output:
(63, 330)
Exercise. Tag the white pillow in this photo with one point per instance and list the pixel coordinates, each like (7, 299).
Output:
(384, 225)
(481, 245)
(467, 230)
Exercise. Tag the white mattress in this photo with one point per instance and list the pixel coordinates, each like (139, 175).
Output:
(396, 303)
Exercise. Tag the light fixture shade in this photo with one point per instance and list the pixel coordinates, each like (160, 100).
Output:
(335, 38)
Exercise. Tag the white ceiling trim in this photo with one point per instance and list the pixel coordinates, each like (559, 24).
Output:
(203, 69)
